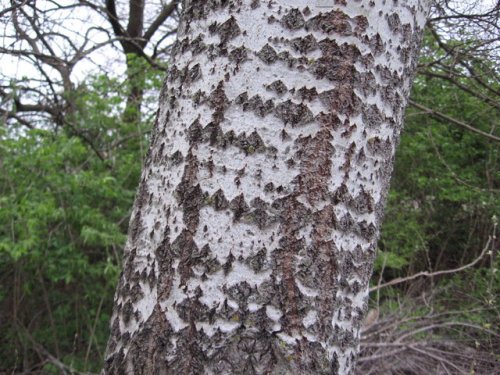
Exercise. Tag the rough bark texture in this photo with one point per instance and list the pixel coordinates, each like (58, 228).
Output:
(253, 234)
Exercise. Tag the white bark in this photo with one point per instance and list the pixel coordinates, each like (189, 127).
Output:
(253, 234)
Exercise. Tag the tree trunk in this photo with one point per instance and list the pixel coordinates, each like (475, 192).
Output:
(253, 234)
(133, 49)
(136, 78)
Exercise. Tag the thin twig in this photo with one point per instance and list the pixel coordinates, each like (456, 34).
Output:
(442, 116)
(400, 280)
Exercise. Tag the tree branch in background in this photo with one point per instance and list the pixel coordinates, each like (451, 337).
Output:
(135, 24)
(113, 18)
(44, 36)
(166, 12)
(450, 77)
(442, 117)
(401, 280)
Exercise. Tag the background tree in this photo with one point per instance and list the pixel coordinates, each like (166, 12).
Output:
(133, 40)
(54, 42)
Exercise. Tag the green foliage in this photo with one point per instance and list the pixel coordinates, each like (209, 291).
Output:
(445, 185)
(443, 200)
(65, 201)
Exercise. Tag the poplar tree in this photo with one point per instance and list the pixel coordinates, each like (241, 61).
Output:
(253, 234)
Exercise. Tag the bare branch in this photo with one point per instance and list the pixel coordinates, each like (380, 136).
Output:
(166, 12)
(442, 117)
(401, 280)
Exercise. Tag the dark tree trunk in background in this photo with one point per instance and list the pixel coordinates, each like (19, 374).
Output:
(133, 48)
(254, 229)
(132, 43)
(133, 40)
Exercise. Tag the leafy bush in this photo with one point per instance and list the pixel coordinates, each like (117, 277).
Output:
(66, 198)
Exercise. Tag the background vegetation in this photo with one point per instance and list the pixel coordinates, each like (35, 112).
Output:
(67, 188)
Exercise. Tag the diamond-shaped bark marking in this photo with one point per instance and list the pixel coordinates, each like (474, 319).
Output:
(238, 55)
(227, 30)
(304, 44)
(367, 231)
(363, 202)
(294, 114)
(293, 20)
(268, 54)
(218, 98)
(239, 206)
(307, 94)
(194, 73)
(278, 87)
(258, 260)
(378, 147)
(334, 21)
(184, 243)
